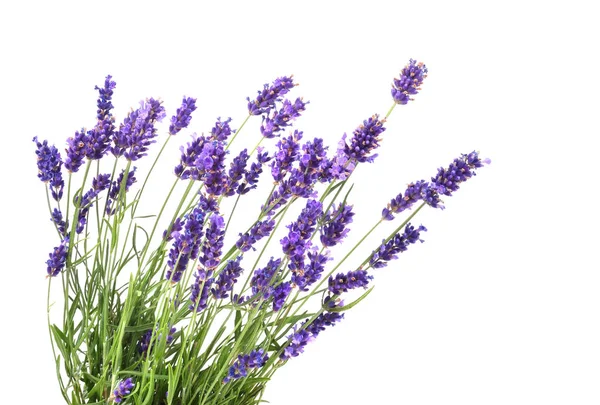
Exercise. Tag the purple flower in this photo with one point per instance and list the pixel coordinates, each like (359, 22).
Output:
(287, 153)
(99, 138)
(77, 150)
(137, 132)
(201, 289)
(334, 227)
(399, 243)
(313, 159)
(365, 139)
(308, 332)
(283, 118)
(61, 224)
(237, 169)
(251, 176)
(115, 189)
(187, 167)
(414, 192)
(263, 279)
(244, 363)
(221, 131)
(297, 241)
(265, 101)
(411, 78)
(326, 318)
(186, 245)
(123, 389)
(305, 277)
(341, 165)
(280, 294)
(213, 243)
(49, 165)
(297, 343)
(84, 203)
(448, 180)
(349, 281)
(209, 260)
(58, 258)
(224, 283)
(183, 116)
(210, 164)
(258, 231)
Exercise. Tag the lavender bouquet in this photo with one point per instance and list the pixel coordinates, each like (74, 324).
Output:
(157, 309)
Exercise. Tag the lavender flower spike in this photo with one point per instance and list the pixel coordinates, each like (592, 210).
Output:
(49, 165)
(58, 258)
(123, 389)
(411, 78)
(399, 243)
(245, 362)
(137, 132)
(349, 281)
(99, 138)
(448, 180)
(365, 139)
(183, 116)
(265, 101)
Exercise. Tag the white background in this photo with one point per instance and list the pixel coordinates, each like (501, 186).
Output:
(500, 305)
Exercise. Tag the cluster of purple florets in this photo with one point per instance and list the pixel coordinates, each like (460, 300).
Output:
(198, 235)
(131, 140)
(245, 363)
(123, 389)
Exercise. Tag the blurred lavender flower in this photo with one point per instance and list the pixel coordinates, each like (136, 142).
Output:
(183, 116)
(58, 258)
(49, 165)
(123, 389)
(137, 132)
(283, 118)
(99, 138)
(265, 101)
(244, 363)
(399, 243)
(411, 77)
